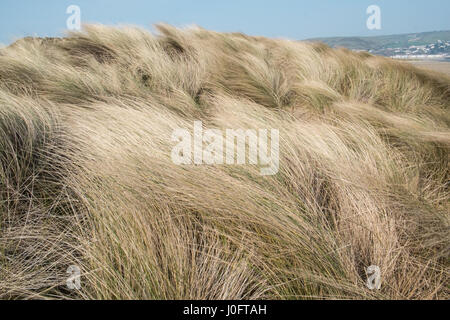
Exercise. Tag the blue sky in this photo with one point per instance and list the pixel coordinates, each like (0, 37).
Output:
(295, 19)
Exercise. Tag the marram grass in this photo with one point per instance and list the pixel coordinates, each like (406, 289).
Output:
(86, 177)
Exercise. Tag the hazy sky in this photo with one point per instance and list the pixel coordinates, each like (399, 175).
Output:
(283, 18)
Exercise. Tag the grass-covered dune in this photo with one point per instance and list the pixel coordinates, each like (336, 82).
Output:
(86, 176)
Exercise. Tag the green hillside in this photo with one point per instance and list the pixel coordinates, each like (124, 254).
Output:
(386, 42)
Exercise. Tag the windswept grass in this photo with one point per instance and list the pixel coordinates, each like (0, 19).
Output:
(87, 178)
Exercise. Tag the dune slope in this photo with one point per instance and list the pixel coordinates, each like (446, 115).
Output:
(86, 176)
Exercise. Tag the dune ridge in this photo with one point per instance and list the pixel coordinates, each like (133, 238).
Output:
(87, 178)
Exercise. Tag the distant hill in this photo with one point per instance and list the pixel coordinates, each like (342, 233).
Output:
(394, 44)
(391, 41)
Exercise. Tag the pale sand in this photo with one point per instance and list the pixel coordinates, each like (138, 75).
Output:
(439, 66)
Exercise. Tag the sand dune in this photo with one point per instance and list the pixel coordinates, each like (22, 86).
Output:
(88, 183)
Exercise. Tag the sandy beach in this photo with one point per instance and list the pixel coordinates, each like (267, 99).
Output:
(439, 66)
